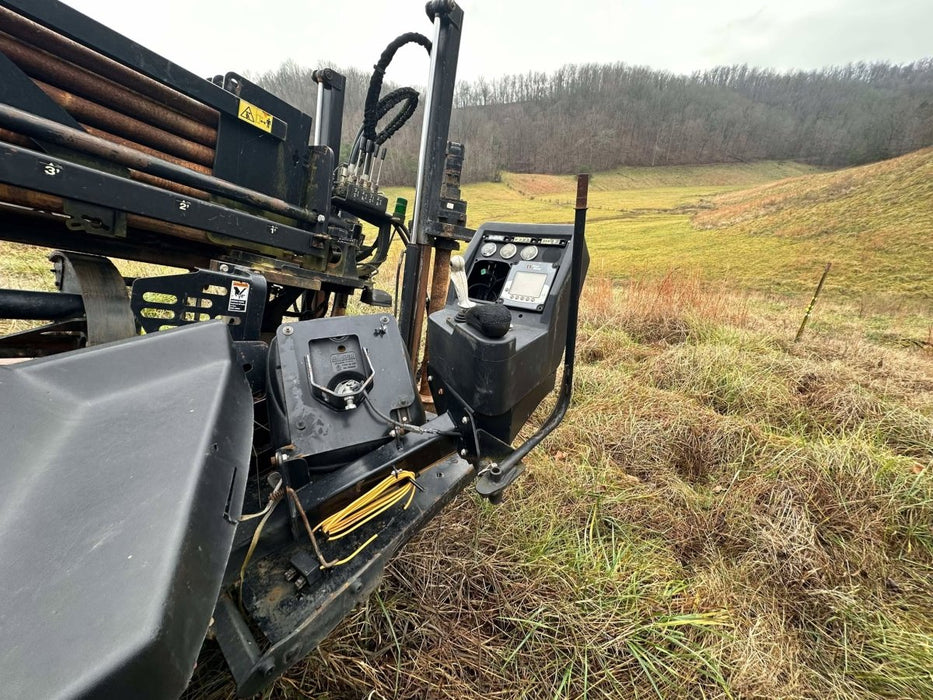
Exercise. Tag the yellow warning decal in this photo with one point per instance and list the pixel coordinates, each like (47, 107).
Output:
(255, 116)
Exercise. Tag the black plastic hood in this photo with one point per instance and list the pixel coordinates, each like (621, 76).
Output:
(123, 471)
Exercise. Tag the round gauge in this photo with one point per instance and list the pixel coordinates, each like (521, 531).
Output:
(488, 249)
(529, 252)
(508, 250)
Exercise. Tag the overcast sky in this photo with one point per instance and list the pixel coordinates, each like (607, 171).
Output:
(502, 36)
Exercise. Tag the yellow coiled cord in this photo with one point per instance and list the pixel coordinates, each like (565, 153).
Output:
(387, 493)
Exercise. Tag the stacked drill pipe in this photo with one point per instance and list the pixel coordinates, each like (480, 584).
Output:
(112, 102)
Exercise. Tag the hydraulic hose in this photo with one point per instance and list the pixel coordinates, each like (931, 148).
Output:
(375, 108)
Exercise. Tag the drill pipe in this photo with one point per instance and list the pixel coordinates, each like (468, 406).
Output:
(41, 65)
(53, 132)
(100, 116)
(113, 138)
(39, 202)
(37, 35)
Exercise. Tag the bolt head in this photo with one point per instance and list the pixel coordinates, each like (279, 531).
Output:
(463, 453)
(225, 268)
(464, 420)
(321, 218)
(287, 330)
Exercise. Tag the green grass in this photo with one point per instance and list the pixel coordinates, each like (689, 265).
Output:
(874, 223)
(724, 513)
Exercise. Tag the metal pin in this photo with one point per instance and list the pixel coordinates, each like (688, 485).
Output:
(382, 159)
(367, 163)
(356, 168)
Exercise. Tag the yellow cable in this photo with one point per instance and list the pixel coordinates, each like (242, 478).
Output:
(274, 499)
(358, 550)
(372, 503)
(387, 493)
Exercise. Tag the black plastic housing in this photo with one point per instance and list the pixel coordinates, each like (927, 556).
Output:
(502, 380)
(124, 471)
(323, 429)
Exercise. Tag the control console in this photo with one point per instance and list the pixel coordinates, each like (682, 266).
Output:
(495, 349)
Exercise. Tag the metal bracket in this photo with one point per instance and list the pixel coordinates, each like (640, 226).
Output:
(235, 295)
(94, 219)
(352, 391)
(492, 480)
(483, 450)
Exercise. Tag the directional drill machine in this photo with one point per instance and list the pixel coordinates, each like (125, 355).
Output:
(220, 449)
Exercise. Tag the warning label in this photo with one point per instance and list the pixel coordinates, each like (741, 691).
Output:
(239, 295)
(255, 116)
(344, 361)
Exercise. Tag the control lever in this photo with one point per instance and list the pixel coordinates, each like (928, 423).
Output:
(459, 279)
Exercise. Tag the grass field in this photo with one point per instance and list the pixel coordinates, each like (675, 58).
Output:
(724, 512)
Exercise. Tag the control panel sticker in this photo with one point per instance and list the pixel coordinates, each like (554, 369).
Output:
(344, 361)
(239, 295)
(251, 114)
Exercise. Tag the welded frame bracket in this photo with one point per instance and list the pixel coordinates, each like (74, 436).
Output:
(92, 218)
(236, 295)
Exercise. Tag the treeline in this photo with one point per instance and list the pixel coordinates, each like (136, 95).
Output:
(598, 117)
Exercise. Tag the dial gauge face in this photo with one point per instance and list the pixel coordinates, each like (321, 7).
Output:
(507, 251)
(529, 252)
(488, 249)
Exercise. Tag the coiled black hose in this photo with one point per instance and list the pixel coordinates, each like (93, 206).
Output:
(376, 108)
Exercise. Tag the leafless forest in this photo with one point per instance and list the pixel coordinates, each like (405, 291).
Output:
(598, 117)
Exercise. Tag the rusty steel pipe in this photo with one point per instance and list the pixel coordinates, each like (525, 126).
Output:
(38, 202)
(53, 132)
(113, 138)
(144, 223)
(35, 34)
(41, 202)
(340, 305)
(168, 185)
(440, 287)
(16, 139)
(440, 280)
(30, 198)
(417, 322)
(41, 65)
(100, 116)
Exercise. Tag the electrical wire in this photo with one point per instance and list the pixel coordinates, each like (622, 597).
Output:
(410, 427)
(275, 498)
(398, 280)
(375, 108)
(386, 494)
(372, 104)
(274, 398)
(402, 231)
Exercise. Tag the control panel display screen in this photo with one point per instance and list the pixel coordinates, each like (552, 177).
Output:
(528, 284)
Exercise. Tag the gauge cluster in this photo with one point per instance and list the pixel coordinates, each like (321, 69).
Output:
(504, 247)
(515, 268)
